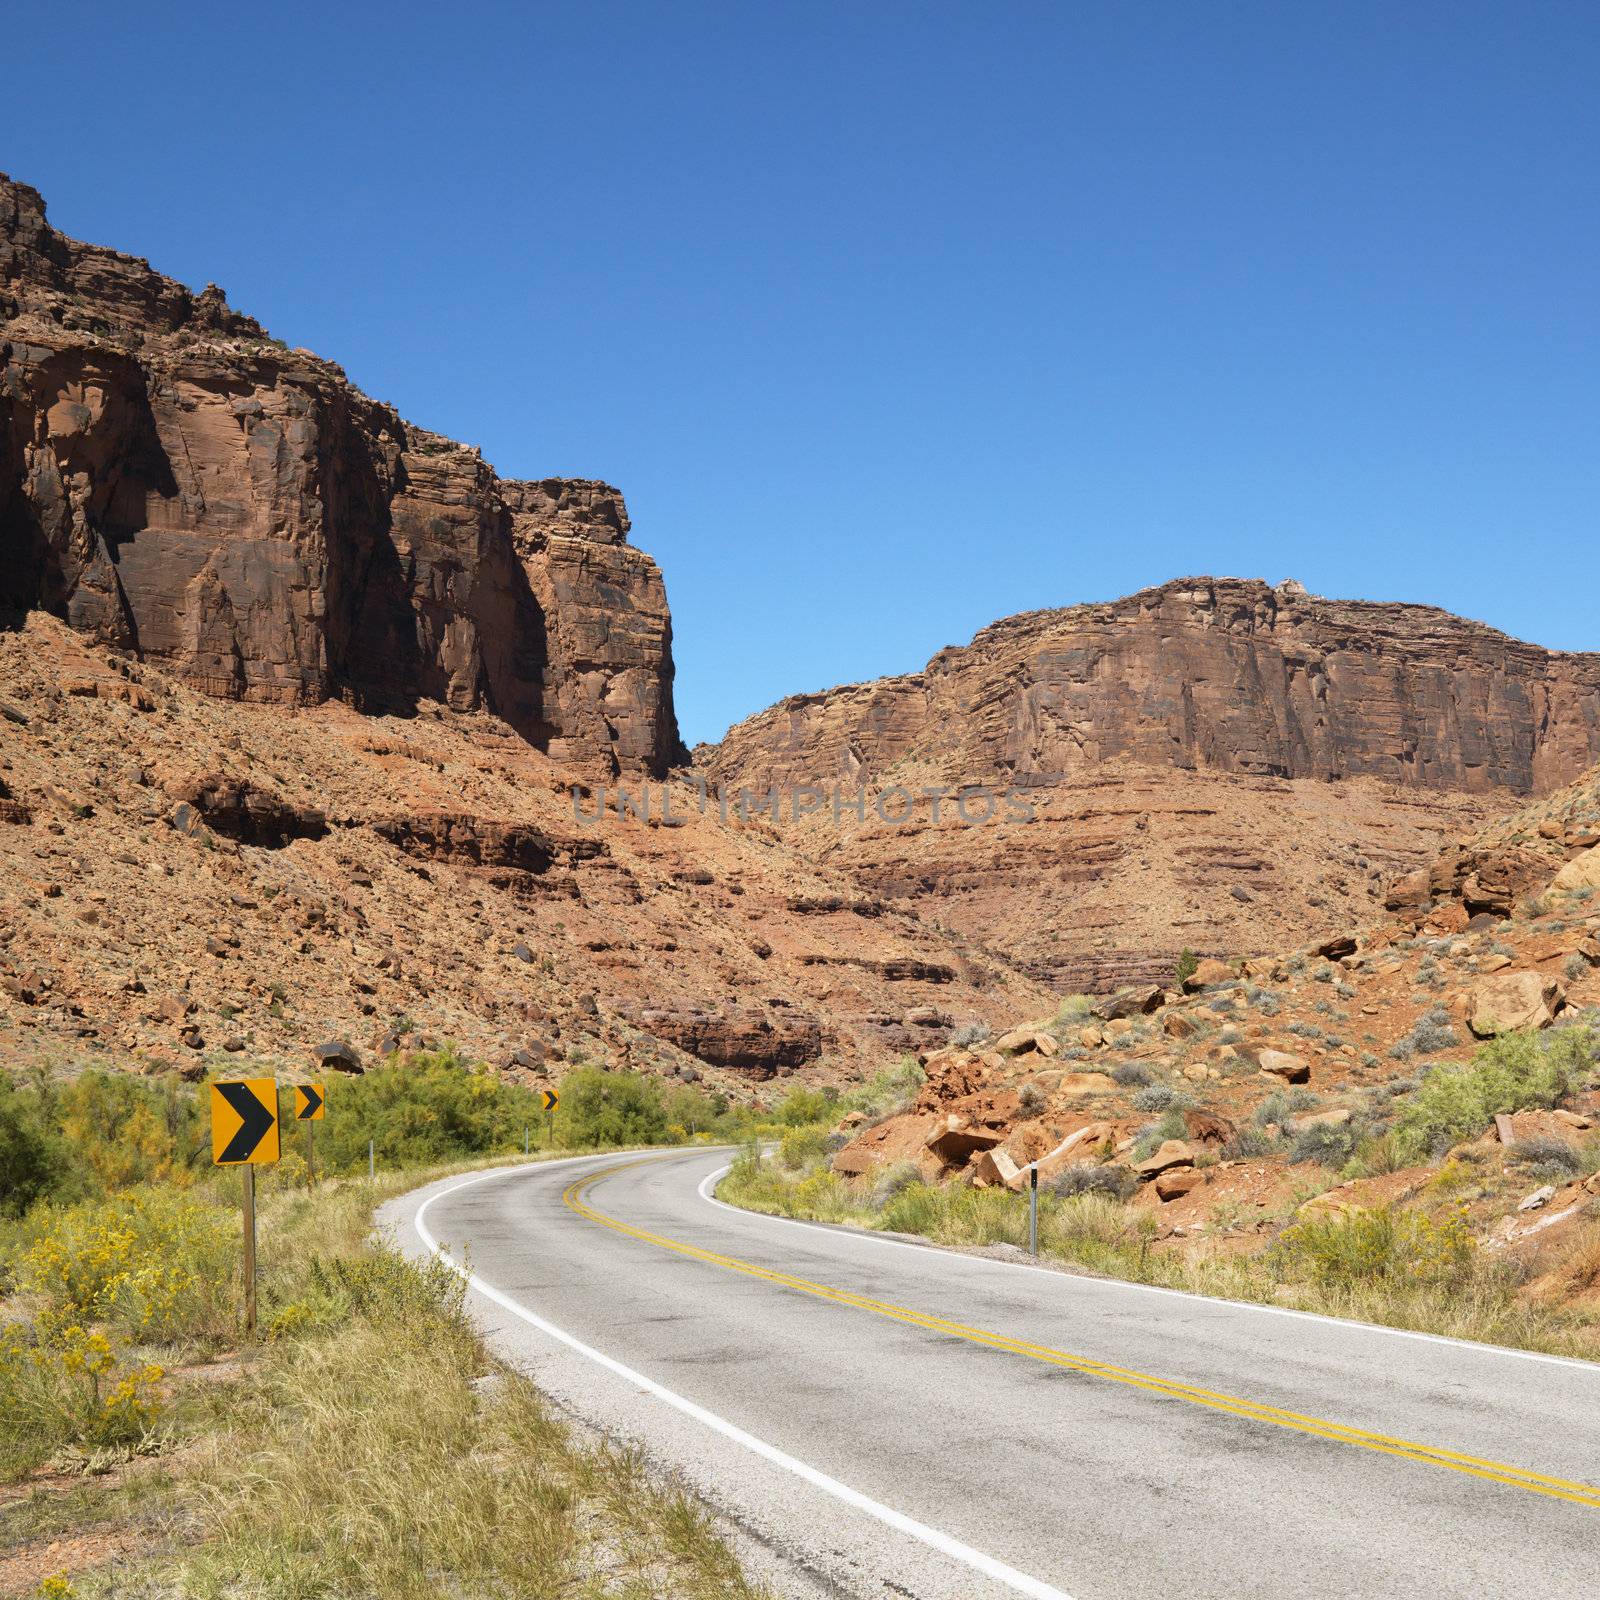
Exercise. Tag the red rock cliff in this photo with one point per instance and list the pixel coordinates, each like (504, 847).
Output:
(176, 482)
(1206, 674)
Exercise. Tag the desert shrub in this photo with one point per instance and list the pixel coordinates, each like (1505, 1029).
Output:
(1428, 973)
(802, 1147)
(1250, 1142)
(1403, 1049)
(1156, 1097)
(1031, 1098)
(1515, 1072)
(1549, 1157)
(1374, 1156)
(119, 1130)
(1282, 1104)
(1325, 1144)
(1431, 1033)
(1132, 1074)
(1073, 1008)
(1345, 991)
(893, 1179)
(889, 1091)
(1322, 973)
(1089, 1177)
(969, 1035)
(1361, 1247)
(1188, 965)
(70, 1389)
(1574, 967)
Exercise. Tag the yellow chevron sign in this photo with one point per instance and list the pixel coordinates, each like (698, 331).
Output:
(310, 1102)
(244, 1122)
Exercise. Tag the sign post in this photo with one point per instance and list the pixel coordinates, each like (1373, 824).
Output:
(1033, 1208)
(244, 1133)
(551, 1099)
(310, 1106)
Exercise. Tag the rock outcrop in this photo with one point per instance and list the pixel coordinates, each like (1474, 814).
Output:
(176, 483)
(1203, 674)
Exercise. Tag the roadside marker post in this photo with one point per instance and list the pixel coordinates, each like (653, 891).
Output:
(244, 1133)
(372, 1164)
(1033, 1208)
(551, 1099)
(525, 1138)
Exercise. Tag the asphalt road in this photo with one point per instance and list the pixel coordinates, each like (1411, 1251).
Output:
(889, 1420)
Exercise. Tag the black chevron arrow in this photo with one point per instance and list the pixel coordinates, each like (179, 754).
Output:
(313, 1099)
(255, 1122)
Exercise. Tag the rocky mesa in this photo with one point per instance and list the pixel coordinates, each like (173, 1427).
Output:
(176, 483)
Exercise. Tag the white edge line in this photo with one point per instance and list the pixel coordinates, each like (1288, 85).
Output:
(932, 1537)
(1348, 1323)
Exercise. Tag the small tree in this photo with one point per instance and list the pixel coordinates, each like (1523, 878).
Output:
(1188, 964)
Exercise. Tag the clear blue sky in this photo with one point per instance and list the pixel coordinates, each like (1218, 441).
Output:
(891, 319)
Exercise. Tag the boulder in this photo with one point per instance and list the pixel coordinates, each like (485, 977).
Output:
(1022, 1040)
(1078, 1146)
(1338, 947)
(1582, 872)
(338, 1055)
(953, 1141)
(1176, 1181)
(853, 1162)
(1508, 1001)
(1207, 1128)
(1137, 1001)
(1208, 972)
(1281, 1064)
(1179, 1025)
(1173, 1153)
(994, 1169)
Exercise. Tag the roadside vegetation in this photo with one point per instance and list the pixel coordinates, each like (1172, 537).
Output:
(1416, 1266)
(365, 1444)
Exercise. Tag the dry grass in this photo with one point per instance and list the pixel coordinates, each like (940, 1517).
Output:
(368, 1447)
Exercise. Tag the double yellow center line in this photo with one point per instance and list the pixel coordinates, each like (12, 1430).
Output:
(1582, 1494)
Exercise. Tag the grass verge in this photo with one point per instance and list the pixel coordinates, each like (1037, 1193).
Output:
(366, 1446)
(1398, 1269)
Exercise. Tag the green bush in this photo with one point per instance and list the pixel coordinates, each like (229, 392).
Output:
(1516, 1072)
(427, 1111)
(802, 1105)
(600, 1107)
(802, 1147)
(1188, 964)
(34, 1159)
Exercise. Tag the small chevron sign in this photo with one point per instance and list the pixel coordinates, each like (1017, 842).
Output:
(310, 1102)
(550, 1098)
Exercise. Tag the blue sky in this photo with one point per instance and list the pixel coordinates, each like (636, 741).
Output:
(892, 319)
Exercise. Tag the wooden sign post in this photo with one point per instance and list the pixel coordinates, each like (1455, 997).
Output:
(244, 1133)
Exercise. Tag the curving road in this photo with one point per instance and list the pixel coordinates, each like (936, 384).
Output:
(884, 1419)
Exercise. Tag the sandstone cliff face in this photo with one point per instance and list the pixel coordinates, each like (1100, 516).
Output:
(175, 483)
(1204, 674)
(1214, 764)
